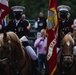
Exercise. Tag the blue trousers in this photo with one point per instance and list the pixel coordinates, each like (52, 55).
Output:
(42, 60)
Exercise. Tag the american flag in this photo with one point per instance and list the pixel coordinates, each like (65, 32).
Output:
(4, 9)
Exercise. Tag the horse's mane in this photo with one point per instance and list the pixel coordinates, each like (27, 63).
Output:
(14, 41)
(12, 49)
(14, 38)
(66, 38)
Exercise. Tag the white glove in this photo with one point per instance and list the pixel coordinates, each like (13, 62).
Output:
(23, 39)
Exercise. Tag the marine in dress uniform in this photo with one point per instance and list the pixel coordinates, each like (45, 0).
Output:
(20, 27)
(65, 23)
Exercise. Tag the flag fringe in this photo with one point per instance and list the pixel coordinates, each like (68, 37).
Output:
(54, 70)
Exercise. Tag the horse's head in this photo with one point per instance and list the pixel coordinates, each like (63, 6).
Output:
(5, 48)
(67, 50)
(10, 49)
(13, 56)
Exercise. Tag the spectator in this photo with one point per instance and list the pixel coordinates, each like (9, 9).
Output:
(40, 22)
(41, 44)
(65, 23)
(23, 17)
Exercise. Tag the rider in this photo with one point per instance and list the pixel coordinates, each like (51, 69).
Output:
(65, 23)
(21, 27)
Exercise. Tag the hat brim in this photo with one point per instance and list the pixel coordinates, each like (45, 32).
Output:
(63, 9)
(18, 8)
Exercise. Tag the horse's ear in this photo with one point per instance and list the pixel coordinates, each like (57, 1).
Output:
(72, 34)
(4, 36)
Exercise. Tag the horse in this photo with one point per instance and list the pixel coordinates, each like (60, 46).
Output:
(13, 58)
(65, 57)
(74, 37)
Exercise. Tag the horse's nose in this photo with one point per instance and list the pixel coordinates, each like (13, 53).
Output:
(68, 62)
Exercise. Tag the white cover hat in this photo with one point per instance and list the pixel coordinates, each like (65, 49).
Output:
(23, 39)
(18, 8)
(63, 8)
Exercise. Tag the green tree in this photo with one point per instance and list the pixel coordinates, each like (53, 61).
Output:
(34, 6)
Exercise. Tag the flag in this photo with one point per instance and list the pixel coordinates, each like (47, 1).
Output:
(52, 34)
(3, 9)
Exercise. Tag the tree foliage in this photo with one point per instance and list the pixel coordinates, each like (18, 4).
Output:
(32, 7)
